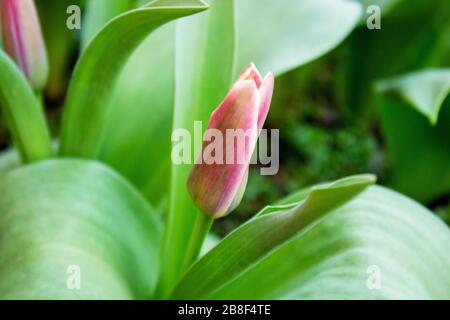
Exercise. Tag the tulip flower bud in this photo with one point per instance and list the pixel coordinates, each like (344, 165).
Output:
(23, 41)
(217, 188)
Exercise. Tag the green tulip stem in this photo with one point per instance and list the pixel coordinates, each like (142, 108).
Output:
(202, 224)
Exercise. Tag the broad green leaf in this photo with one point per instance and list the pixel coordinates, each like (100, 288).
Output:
(255, 239)
(204, 71)
(424, 90)
(23, 113)
(59, 217)
(380, 245)
(303, 31)
(380, 236)
(96, 73)
(418, 153)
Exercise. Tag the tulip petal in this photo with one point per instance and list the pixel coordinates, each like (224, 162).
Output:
(239, 193)
(12, 33)
(266, 92)
(251, 73)
(214, 187)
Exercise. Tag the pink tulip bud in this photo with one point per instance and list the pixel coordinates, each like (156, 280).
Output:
(23, 41)
(217, 187)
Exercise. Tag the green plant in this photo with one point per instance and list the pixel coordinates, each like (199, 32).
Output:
(96, 205)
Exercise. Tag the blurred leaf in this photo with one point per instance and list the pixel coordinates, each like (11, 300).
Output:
(9, 159)
(211, 241)
(419, 153)
(424, 90)
(444, 213)
(144, 97)
(377, 235)
(305, 30)
(203, 77)
(98, 13)
(252, 241)
(403, 44)
(23, 113)
(91, 87)
(62, 213)
(147, 108)
(385, 5)
(60, 42)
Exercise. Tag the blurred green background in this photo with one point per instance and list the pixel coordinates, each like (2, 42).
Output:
(330, 116)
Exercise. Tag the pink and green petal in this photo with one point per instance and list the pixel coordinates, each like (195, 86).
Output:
(23, 40)
(213, 187)
(251, 73)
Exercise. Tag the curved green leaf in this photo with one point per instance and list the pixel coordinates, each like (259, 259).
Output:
(255, 239)
(95, 75)
(23, 113)
(379, 245)
(63, 214)
(151, 111)
(305, 30)
(424, 90)
(98, 13)
(295, 198)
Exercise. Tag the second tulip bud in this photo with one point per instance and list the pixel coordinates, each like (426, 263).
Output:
(23, 40)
